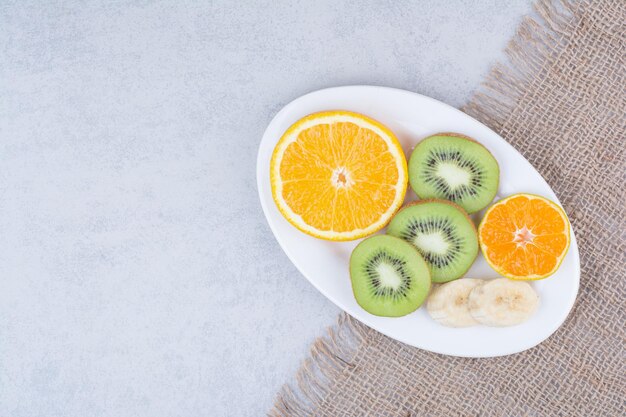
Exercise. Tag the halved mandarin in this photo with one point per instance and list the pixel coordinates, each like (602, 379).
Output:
(524, 237)
(338, 175)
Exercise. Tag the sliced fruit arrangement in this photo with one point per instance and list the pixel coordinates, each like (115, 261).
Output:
(454, 167)
(524, 237)
(447, 304)
(338, 175)
(443, 234)
(498, 302)
(389, 277)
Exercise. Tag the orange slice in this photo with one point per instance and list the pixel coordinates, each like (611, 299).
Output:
(524, 237)
(338, 175)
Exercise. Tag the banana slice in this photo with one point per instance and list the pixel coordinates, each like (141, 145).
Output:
(502, 302)
(447, 304)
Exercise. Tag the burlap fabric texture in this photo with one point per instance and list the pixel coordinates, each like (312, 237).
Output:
(560, 100)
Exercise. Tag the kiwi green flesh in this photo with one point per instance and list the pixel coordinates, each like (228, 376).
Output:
(389, 276)
(456, 169)
(442, 233)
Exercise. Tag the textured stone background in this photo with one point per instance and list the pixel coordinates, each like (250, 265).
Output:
(138, 276)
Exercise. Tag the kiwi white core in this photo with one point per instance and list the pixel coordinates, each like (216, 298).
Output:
(388, 276)
(432, 242)
(454, 175)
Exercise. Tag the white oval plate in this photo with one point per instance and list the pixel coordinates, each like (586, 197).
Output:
(413, 117)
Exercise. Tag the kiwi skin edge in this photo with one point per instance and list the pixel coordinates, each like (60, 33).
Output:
(450, 203)
(462, 136)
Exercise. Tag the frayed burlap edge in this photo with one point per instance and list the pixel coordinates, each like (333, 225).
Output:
(330, 356)
(537, 41)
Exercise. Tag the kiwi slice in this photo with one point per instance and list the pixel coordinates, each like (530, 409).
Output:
(442, 232)
(456, 168)
(389, 277)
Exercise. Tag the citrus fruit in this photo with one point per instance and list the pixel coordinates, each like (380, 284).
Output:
(338, 175)
(524, 236)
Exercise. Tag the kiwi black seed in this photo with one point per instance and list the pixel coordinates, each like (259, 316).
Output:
(453, 167)
(389, 276)
(443, 234)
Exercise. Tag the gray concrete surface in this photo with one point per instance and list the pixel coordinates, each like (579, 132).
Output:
(138, 276)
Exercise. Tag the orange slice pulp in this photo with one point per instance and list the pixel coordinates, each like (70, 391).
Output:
(338, 175)
(524, 237)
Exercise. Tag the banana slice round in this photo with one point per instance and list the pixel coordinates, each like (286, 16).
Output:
(447, 304)
(502, 302)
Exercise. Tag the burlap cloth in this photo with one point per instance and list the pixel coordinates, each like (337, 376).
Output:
(560, 100)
